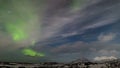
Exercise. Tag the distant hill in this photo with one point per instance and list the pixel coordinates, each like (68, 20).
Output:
(81, 60)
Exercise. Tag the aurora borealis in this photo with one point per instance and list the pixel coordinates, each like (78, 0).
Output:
(58, 30)
(20, 18)
(32, 53)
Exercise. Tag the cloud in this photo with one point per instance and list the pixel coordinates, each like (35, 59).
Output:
(69, 34)
(101, 58)
(70, 48)
(58, 20)
(107, 37)
(88, 18)
(88, 49)
(108, 52)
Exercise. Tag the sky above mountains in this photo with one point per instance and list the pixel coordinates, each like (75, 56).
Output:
(58, 30)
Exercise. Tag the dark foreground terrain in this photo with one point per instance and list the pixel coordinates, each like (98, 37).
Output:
(75, 64)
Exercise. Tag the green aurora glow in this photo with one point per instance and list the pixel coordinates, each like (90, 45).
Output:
(21, 21)
(19, 17)
(30, 52)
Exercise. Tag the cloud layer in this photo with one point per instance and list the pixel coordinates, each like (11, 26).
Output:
(65, 29)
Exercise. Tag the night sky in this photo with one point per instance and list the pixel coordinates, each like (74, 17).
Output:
(59, 30)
